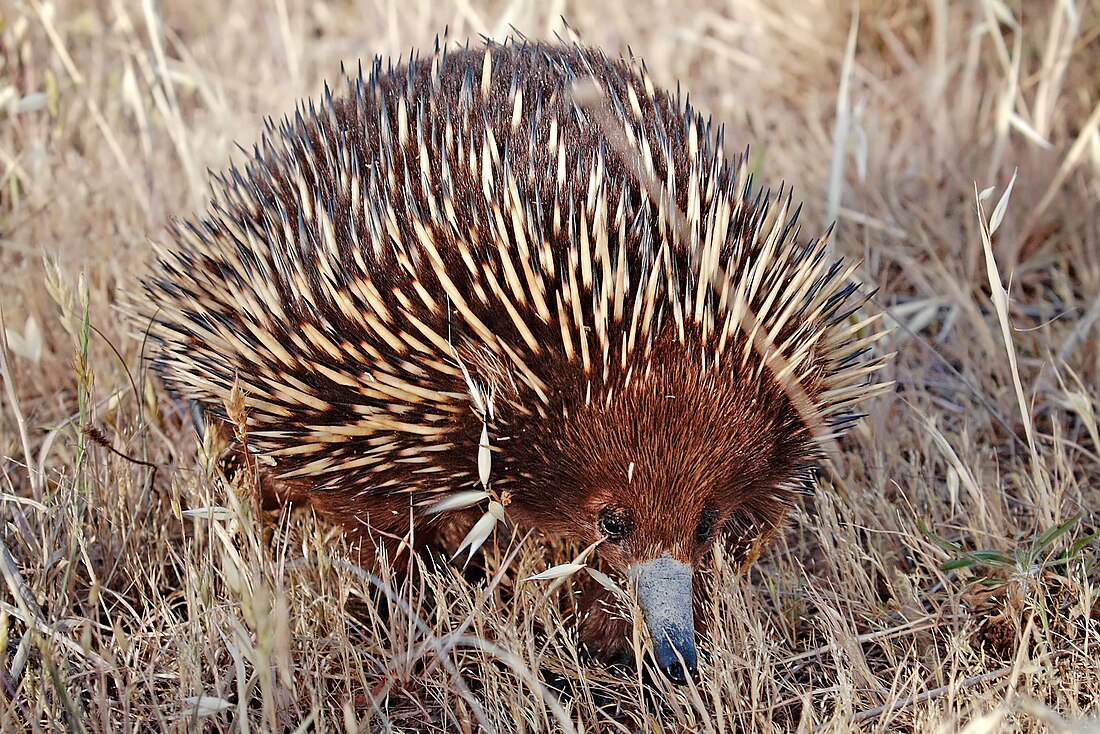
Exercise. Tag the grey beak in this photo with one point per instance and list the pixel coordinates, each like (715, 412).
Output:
(664, 593)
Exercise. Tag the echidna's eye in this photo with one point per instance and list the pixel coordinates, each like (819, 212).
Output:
(706, 525)
(612, 524)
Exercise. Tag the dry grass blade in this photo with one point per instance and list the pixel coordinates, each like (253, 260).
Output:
(562, 570)
(842, 124)
(20, 421)
(458, 501)
(1000, 302)
(481, 531)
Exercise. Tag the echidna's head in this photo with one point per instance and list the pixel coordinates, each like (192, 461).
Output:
(661, 468)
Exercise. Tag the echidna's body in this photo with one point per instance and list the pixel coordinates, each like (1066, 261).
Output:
(459, 244)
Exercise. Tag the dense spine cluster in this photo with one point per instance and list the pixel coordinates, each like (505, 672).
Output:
(459, 223)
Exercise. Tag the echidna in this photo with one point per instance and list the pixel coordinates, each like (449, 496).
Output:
(462, 245)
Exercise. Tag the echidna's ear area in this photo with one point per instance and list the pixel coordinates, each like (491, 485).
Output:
(459, 242)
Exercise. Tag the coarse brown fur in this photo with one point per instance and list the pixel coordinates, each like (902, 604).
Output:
(438, 252)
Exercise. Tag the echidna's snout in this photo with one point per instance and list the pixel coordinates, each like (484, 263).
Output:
(664, 594)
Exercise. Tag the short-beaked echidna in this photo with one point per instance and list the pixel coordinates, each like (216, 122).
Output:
(462, 250)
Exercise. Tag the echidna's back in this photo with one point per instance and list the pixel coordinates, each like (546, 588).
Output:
(459, 230)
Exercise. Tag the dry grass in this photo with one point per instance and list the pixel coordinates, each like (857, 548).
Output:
(950, 582)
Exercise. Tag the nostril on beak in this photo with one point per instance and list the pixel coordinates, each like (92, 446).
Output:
(675, 673)
(677, 661)
(675, 656)
(692, 670)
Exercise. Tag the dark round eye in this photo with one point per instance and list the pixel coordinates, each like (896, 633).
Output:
(612, 524)
(706, 525)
